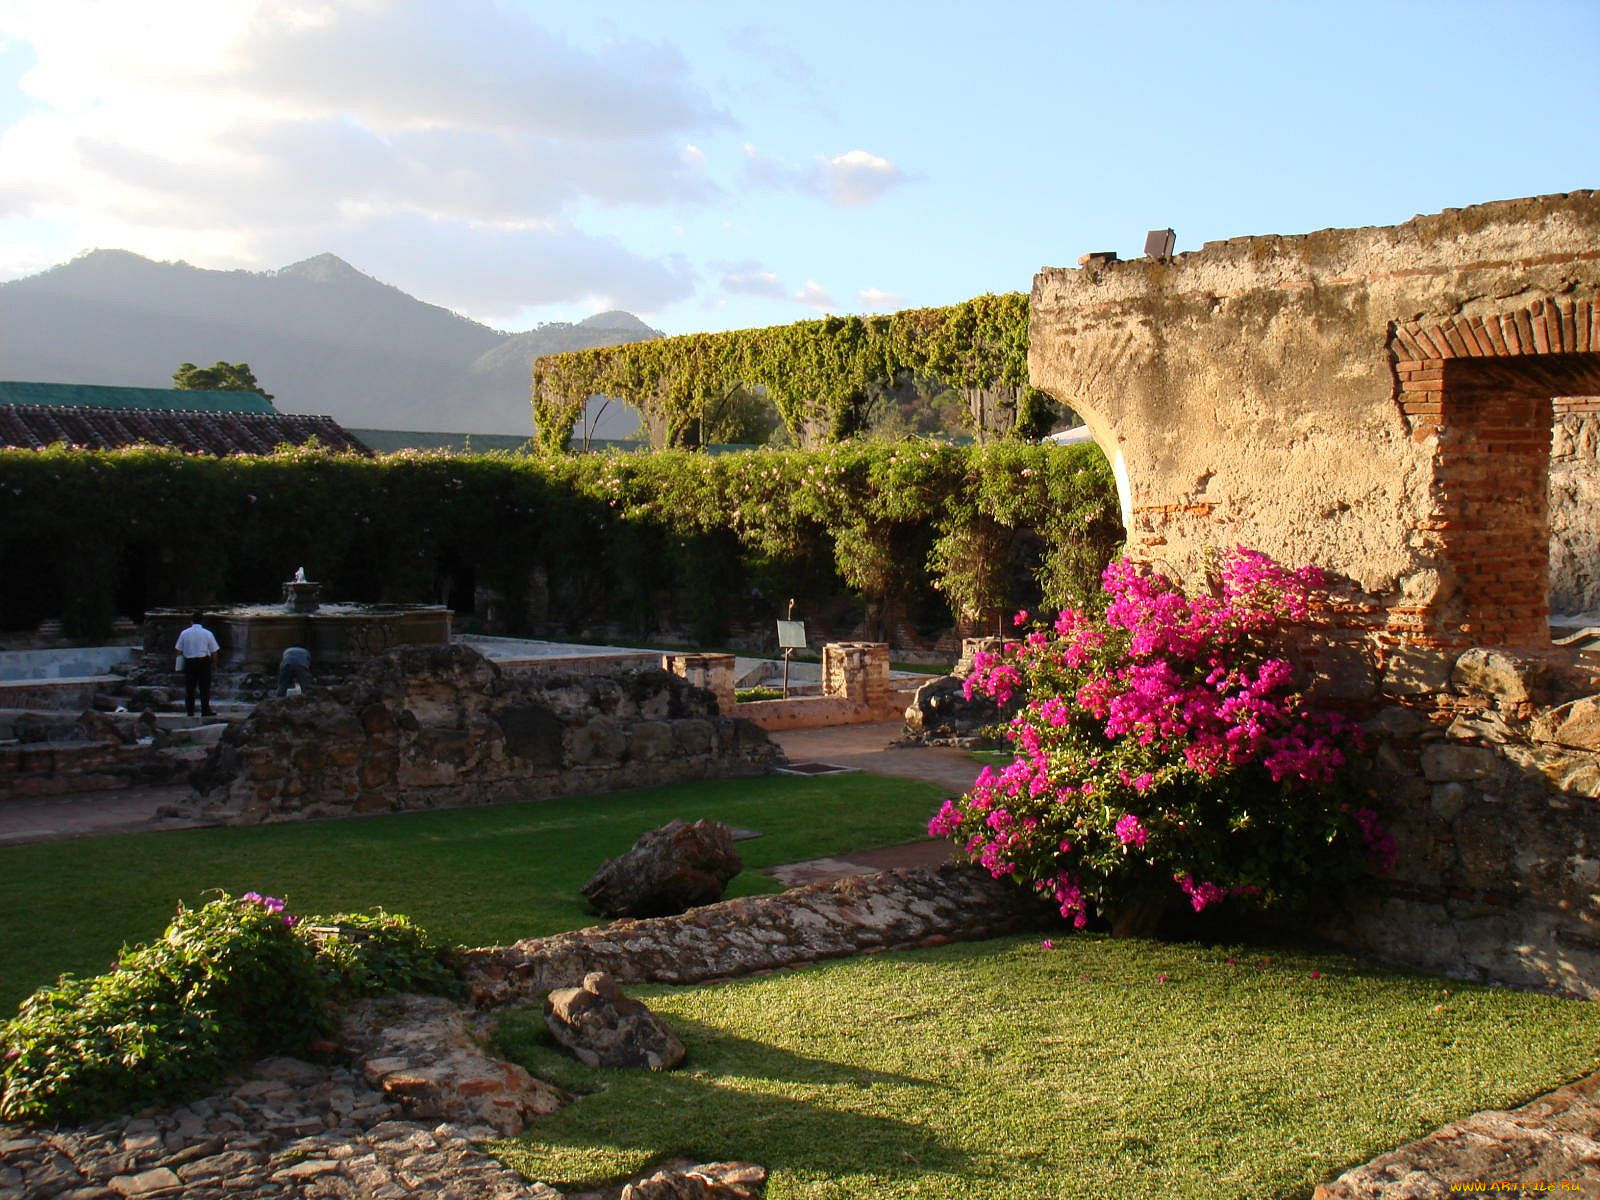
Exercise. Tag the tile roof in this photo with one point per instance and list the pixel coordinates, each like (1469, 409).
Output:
(88, 395)
(35, 426)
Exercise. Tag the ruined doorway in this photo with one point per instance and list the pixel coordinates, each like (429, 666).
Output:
(1496, 394)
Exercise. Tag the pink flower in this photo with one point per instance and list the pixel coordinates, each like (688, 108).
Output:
(1020, 619)
(1130, 832)
(1047, 944)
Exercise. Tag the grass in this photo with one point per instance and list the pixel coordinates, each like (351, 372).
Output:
(1005, 1070)
(470, 876)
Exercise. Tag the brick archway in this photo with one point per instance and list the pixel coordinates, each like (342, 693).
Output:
(1484, 390)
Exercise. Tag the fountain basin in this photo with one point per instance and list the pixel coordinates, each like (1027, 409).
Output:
(253, 637)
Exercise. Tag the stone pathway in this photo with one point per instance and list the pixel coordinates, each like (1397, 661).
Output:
(869, 748)
(87, 814)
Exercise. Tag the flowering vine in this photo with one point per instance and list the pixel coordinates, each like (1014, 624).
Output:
(1163, 752)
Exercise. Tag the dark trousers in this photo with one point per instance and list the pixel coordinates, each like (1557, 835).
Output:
(290, 674)
(197, 676)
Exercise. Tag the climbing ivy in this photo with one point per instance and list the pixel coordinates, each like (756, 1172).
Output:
(820, 375)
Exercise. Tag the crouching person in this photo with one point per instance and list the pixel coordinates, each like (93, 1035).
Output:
(294, 670)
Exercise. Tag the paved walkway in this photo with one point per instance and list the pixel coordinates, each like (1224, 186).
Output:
(86, 814)
(867, 748)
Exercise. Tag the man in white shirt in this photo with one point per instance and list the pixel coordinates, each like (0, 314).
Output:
(199, 648)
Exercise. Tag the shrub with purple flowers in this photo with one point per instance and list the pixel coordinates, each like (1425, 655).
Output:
(1164, 754)
(227, 981)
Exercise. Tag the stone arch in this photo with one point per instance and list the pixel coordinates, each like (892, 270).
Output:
(1483, 391)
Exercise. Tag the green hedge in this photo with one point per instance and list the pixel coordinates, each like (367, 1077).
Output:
(820, 375)
(621, 540)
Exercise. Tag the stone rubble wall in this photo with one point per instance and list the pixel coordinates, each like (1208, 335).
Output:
(441, 726)
(1575, 507)
(1532, 1150)
(293, 1129)
(750, 934)
(1491, 776)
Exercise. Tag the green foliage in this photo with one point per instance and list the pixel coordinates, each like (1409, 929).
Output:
(368, 954)
(223, 377)
(626, 539)
(746, 695)
(823, 377)
(225, 982)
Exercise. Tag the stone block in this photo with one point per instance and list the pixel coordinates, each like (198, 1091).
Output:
(1416, 672)
(1509, 678)
(651, 740)
(1342, 671)
(1394, 721)
(532, 734)
(601, 1027)
(1576, 725)
(377, 770)
(1448, 800)
(1442, 763)
(694, 737)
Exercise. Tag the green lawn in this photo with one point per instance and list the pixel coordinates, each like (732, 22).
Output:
(470, 876)
(1005, 1070)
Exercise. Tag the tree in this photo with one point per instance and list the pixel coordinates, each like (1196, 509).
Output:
(224, 377)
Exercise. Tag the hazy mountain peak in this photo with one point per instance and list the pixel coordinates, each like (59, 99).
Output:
(323, 268)
(617, 319)
(321, 335)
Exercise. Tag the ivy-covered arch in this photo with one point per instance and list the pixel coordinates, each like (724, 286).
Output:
(820, 375)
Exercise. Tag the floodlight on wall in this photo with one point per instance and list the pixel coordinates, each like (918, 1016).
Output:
(1158, 243)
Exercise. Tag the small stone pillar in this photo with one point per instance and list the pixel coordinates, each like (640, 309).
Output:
(972, 646)
(714, 672)
(856, 671)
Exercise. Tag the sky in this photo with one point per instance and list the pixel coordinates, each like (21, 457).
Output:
(719, 165)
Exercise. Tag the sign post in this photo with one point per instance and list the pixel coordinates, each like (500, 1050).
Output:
(791, 637)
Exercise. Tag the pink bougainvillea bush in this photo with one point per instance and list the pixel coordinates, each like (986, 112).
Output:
(1163, 752)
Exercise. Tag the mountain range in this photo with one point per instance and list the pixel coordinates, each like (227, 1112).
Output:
(320, 335)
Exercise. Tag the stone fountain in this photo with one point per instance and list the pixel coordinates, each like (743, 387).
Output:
(340, 636)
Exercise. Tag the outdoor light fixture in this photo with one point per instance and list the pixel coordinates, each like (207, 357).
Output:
(1158, 243)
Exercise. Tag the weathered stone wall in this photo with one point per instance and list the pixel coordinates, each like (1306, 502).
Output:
(1575, 507)
(441, 726)
(1373, 400)
(1497, 802)
(854, 915)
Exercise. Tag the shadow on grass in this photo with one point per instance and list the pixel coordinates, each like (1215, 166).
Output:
(734, 1098)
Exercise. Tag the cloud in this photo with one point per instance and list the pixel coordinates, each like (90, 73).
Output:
(873, 298)
(244, 133)
(813, 296)
(857, 177)
(749, 279)
(850, 180)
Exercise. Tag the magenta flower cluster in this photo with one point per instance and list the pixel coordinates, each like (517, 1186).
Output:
(1164, 744)
(271, 904)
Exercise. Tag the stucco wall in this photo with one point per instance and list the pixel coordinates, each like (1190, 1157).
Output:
(1249, 391)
